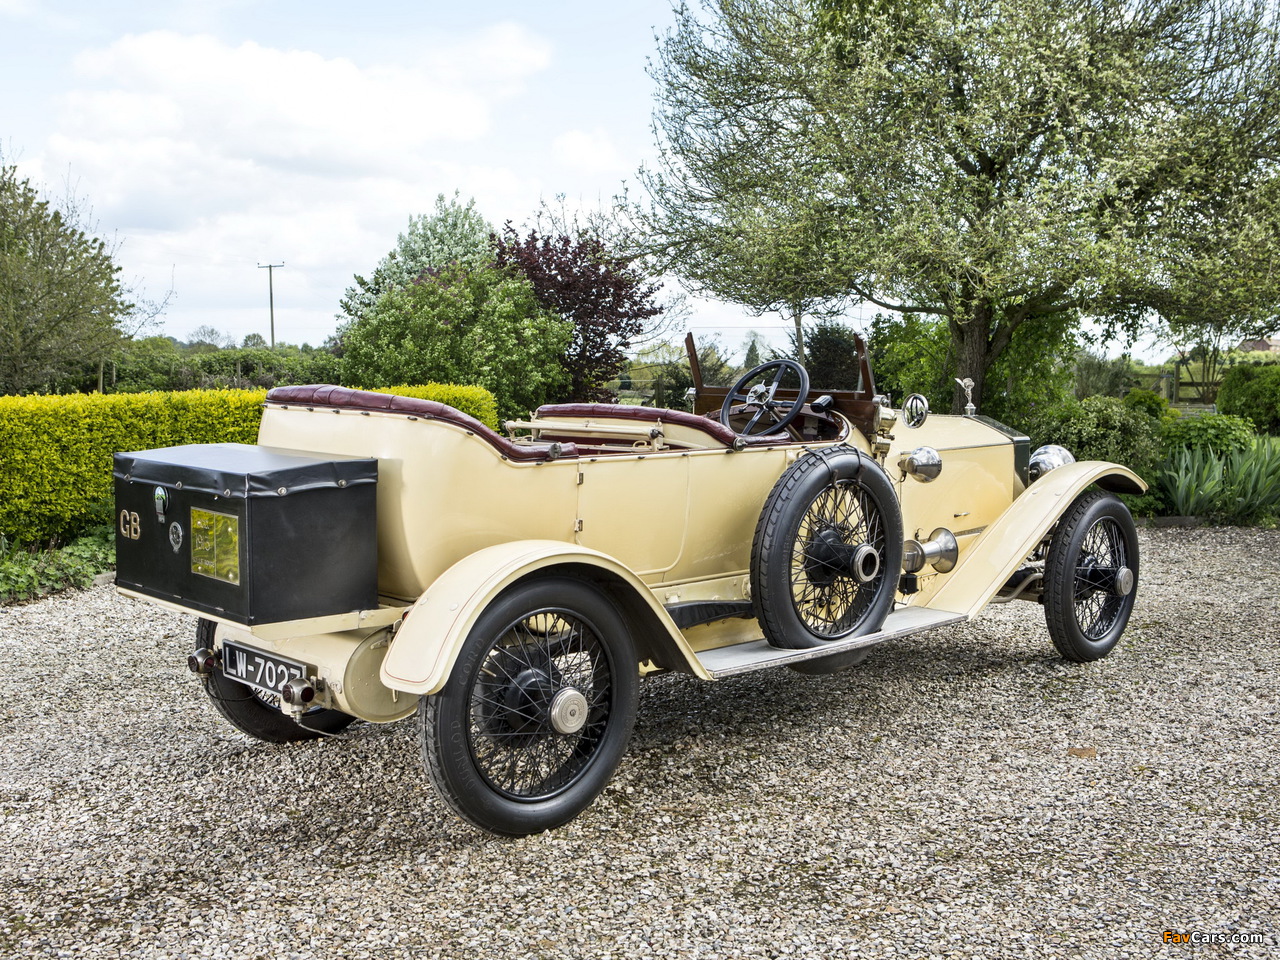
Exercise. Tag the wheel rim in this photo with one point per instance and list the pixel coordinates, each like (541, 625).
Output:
(1103, 581)
(543, 669)
(830, 586)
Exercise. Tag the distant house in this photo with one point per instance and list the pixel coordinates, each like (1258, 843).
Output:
(1266, 344)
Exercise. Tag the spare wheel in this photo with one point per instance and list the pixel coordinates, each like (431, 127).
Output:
(826, 555)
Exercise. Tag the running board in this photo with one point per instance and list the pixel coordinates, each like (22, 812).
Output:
(758, 655)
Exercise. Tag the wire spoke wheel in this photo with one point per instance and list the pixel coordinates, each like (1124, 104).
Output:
(514, 737)
(1091, 576)
(538, 709)
(826, 555)
(1102, 553)
(829, 588)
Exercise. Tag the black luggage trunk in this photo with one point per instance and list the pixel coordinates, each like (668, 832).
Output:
(251, 534)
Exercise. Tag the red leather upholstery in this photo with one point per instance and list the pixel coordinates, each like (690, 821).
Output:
(327, 395)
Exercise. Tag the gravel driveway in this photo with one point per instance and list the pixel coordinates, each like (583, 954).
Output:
(963, 794)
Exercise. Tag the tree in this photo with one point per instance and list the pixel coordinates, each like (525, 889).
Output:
(1098, 376)
(255, 341)
(604, 295)
(751, 356)
(207, 337)
(997, 166)
(1222, 285)
(453, 233)
(832, 355)
(61, 301)
(481, 326)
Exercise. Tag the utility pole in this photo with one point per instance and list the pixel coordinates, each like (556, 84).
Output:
(271, 295)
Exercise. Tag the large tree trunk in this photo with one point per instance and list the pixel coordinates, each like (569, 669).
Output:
(797, 316)
(971, 341)
(979, 336)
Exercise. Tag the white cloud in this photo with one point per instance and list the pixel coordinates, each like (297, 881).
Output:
(295, 107)
(209, 158)
(588, 152)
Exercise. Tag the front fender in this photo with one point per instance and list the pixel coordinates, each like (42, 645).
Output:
(424, 649)
(991, 560)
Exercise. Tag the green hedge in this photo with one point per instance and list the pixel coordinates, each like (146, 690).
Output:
(476, 401)
(1253, 392)
(55, 451)
(1219, 432)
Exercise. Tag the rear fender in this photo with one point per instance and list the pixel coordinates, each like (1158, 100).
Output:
(992, 559)
(424, 649)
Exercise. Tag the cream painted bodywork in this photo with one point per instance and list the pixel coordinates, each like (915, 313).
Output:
(993, 557)
(458, 523)
(437, 625)
(443, 494)
(975, 488)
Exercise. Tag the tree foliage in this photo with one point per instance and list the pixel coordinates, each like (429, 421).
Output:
(61, 301)
(1253, 391)
(1100, 376)
(453, 233)
(161, 363)
(1000, 167)
(605, 296)
(1222, 284)
(481, 326)
(829, 350)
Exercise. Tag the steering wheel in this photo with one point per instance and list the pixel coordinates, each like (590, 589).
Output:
(760, 394)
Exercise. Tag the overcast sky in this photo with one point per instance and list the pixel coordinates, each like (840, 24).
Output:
(212, 136)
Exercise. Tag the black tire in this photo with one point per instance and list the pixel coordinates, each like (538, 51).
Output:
(258, 714)
(830, 517)
(489, 741)
(1087, 596)
(836, 663)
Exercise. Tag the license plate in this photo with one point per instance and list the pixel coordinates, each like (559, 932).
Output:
(258, 669)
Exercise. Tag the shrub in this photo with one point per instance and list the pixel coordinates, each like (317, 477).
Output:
(1239, 487)
(1191, 482)
(482, 327)
(1253, 392)
(27, 573)
(1100, 428)
(55, 451)
(1219, 432)
(1252, 481)
(1148, 401)
(1099, 376)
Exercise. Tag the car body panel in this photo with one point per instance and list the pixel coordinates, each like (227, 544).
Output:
(988, 562)
(424, 649)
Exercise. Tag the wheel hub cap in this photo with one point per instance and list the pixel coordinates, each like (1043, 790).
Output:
(827, 557)
(866, 563)
(1122, 586)
(568, 711)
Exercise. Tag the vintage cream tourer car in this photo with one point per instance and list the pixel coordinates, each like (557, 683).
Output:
(376, 555)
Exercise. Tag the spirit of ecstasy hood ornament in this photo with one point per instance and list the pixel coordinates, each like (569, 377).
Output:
(967, 386)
